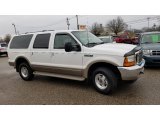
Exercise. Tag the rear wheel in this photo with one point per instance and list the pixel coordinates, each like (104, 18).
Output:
(104, 80)
(25, 71)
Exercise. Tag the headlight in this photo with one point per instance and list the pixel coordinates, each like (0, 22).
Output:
(147, 52)
(129, 61)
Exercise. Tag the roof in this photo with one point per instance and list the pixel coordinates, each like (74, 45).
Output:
(47, 31)
(145, 33)
(43, 31)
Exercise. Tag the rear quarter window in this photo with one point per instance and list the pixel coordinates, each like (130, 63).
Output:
(21, 42)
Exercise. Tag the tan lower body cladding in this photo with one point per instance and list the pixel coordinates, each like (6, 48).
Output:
(58, 70)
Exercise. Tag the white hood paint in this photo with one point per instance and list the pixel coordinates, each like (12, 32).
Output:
(113, 48)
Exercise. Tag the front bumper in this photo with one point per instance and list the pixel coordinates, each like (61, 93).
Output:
(152, 60)
(132, 73)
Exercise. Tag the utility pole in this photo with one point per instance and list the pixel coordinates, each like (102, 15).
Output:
(68, 23)
(14, 28)
(158, 19)
(148, 21)
(77, 22)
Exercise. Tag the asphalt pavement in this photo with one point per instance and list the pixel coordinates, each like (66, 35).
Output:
(54, 91)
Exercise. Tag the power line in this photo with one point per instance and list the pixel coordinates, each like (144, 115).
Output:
(143, 20)
(49, 25)
(55, 23)
(77, 17)
(52, 24)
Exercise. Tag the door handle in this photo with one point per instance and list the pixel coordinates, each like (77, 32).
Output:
(52, 54)
(31, 53)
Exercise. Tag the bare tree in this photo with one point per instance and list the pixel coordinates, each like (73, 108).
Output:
(117, 25)
(7, 38)
(97, 29)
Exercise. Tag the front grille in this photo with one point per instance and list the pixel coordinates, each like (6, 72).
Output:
(139, 57)
(155, 52)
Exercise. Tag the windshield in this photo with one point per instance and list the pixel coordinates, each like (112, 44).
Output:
(151, 38)
(87, 38)
(106, 40)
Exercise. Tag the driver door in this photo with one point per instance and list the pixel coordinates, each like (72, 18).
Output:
(67, 63)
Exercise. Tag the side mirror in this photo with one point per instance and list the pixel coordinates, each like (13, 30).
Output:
(77, 48)
(68, 47)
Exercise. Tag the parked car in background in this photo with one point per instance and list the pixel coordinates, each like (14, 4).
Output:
(106, 39)
(126, 39)
(3, 48)
(150, 42)
(114, 36)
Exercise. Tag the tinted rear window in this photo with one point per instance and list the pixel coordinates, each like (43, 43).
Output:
(42, 41)
(3, 45)
(21, 42)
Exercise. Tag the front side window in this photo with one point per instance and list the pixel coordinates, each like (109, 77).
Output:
(61, 39)
(42, 41)
(21, 42)
(151, 38)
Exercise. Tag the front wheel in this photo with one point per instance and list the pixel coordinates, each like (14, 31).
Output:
(104, 80)
(25, 72)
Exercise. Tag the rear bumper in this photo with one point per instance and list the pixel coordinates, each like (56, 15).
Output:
(132, 73)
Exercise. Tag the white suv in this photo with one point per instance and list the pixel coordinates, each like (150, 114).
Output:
(76, 55)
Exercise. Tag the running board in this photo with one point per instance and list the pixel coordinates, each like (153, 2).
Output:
(59, 76)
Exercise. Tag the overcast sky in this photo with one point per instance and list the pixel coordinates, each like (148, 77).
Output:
(28, 23)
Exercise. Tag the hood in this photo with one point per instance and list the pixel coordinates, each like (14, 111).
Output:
(114, 48)
(152, 46)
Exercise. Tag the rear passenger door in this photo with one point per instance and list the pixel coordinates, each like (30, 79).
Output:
(40, 51)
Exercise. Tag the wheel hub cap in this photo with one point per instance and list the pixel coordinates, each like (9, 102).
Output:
(24, 71)
(101, 81)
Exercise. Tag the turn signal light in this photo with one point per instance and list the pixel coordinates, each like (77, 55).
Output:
(127, 63)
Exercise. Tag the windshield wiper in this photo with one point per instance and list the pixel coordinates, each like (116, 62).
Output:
(101, 43)
(93, 43)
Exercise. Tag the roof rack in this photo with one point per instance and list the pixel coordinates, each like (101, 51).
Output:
(39, 31)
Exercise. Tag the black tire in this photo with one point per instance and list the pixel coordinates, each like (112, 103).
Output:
(29, 74)
(111, 79)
